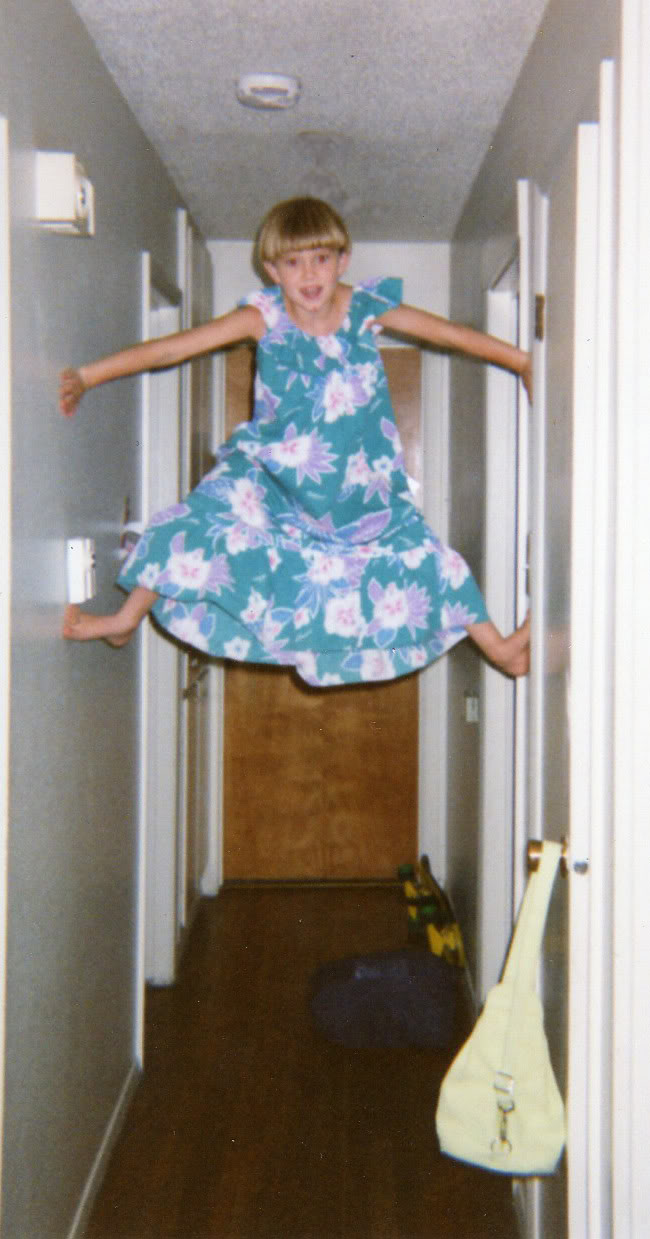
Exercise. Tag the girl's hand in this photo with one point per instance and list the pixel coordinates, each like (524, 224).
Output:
(527, 377)
(71, 389)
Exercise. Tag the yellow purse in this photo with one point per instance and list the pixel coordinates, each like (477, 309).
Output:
(499, 1105)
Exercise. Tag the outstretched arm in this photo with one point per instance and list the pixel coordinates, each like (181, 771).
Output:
(242, 324)
(432, 329)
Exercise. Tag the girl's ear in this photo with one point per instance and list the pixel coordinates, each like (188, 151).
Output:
(344, 261)
(272, 270)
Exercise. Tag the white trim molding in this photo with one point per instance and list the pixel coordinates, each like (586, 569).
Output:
(5, 572)
(631, 1083)
(432, 782)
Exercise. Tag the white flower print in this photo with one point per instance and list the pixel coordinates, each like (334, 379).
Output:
(306, 666)
(343, 615)
(187, 629)
(273, 558)
(237, 648)
(245, 502)
(330, 346)
(236, 539)
(453, 568)
(188, 569)
(392, 609)
(148, 577)
(348, 390)
(414, 556)
(357, 471)
(268, 307)
(255, 608)
(368, 375)
(338, 398)
(377, 665)
(292, 452)
(325, 568)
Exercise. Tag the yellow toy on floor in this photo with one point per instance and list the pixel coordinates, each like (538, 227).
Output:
(430, 914)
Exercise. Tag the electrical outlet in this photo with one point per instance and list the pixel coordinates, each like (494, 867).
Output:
(80, 563)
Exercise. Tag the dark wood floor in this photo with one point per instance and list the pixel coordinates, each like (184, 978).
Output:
(249, 1125)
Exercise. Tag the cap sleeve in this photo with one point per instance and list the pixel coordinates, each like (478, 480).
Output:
(268, 301)
(380, 295)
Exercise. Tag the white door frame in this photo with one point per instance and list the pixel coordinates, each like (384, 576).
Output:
(631, 743)
(497, 692)
(160, 665)
(529, 692)
(5, 575)
(432, 681)
(589, 1104)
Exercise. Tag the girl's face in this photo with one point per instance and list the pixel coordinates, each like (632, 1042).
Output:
(308, 278)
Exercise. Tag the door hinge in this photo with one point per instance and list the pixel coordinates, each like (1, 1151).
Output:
(540, 315)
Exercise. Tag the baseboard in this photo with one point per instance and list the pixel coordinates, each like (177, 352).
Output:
(98, 1170)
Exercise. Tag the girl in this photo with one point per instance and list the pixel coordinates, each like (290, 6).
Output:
(303, 546)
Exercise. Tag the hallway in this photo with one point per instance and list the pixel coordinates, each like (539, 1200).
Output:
(247, 1125)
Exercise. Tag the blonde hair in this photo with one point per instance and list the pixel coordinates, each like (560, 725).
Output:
(300, 224)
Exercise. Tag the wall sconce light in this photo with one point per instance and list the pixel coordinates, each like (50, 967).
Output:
(65, 198)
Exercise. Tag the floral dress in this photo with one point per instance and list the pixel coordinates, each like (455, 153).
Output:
(303, 545)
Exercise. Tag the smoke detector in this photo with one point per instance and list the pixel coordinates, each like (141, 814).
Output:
(268, 91)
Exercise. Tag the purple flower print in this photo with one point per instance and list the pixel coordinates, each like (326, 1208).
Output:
(220, 576)
(265, 402)
(455, 615)
(173, 513)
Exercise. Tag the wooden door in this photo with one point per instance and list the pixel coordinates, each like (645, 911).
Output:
(321, 783)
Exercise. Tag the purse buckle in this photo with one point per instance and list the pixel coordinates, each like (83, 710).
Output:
(504, 1087)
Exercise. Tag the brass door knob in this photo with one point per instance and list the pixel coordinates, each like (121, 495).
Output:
(534, 853)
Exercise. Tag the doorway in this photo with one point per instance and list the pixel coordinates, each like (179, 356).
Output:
(335, 793)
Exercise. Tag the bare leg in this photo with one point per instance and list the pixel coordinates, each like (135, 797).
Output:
(116, 629)
(509, 654)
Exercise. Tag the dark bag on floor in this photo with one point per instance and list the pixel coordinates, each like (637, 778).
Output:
(392, 999)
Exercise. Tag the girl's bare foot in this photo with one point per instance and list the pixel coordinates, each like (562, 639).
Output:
(117, 629)
(79, 625)
(511, 655)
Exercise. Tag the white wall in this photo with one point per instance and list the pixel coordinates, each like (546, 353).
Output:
(424, 269)
(73, 796)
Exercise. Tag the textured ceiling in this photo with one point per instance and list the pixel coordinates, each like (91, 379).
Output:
(400, 100)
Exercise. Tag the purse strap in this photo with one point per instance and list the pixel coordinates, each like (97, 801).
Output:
(520, 974)
(523, 957)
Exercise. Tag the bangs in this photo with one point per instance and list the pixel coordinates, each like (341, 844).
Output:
(301, 224)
